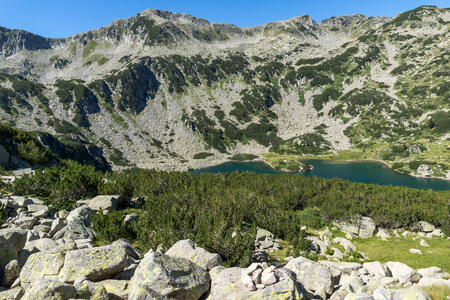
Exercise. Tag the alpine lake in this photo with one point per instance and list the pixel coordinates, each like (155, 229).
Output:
(364, 172)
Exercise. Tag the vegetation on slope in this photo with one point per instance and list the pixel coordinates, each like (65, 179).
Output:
(221, 211)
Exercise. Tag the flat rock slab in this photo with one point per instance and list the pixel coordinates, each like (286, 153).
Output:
(42, 265)
(95, 263)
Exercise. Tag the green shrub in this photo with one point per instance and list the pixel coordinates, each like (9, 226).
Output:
(310, 217)
(202, 155)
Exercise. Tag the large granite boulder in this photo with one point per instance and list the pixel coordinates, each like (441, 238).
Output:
(189, 250)
(228, 285)
(312, 275)
(344, 267)
(159, 275)
(42, 265)
(49, 289)
(89, 290)
(365, 227)
(403, 272)
(433, 272)
(95, 263)
(106, 203)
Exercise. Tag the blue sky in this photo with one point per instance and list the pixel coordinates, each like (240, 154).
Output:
(51, 18)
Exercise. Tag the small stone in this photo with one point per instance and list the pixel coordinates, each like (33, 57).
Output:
(415, 251)
(247, 280)
(256, 276)
(269, 270)
(260, 286)
(252, 268)
(429, 235)
(423, 243)
(269, 278)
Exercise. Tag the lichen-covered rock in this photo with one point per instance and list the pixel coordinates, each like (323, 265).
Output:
(11, 242)
(412, 293)
(166, 276)
(49, 290)
(89, 290)
(342, 292)
(189, 250)
(12, 272)
(358, 296)
(95, 263)
(78, 230)
(116, 288)
(312, 275)
(403, 272)
(12, 294)
(228, 285)
(42, 265)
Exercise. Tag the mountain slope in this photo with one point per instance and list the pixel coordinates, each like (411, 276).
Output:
(158, 88)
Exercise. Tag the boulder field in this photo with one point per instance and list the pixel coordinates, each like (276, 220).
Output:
(50, 255)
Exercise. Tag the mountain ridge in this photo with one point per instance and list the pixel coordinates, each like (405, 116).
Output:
(154, 89)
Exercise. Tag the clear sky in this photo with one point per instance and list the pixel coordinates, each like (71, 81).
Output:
(62, 18)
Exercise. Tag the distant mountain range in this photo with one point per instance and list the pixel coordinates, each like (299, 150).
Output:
(161, 90)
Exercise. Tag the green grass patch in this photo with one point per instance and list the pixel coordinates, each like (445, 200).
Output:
(438, 254)
(243, 157)
(437, 292)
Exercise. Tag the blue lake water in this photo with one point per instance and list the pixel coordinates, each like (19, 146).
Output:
(365, 172)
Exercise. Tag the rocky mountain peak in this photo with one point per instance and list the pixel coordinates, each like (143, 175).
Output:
(13, 41)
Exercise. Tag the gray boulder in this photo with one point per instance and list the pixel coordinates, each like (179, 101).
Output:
(189, 250)
(349, 246)
(26, 222)
(367, 227)
(433, 272)
(312, 275)
(377, 269)
(427, 281)
(159, 275)
(11, 273)
(403, 272)
(89, 290)
(95, 263)
(412, 293)
(57, 225)
(383, 294)
(77, 230)
(105, 202)
(228, 285)
(43, 245)
(342, 292)
(425, 226)
(42, 265)
(11, 242)
(49, 289)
